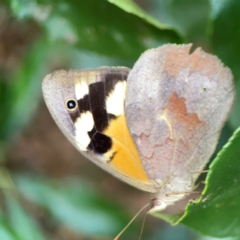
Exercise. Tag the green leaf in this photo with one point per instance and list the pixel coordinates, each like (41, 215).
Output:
(225, 43)
(6, 231)
(189, 18)
(226, 34)
(75, 204)
(217, 212)
(22, 223)
(235, 113)
(131, 7)
(98, 26)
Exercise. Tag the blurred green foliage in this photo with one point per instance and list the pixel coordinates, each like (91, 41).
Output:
(91, 33)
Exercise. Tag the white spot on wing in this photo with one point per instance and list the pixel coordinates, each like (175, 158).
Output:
(83, 125)
(81, 89)
(115, 101)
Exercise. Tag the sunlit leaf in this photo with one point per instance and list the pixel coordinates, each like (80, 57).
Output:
(109, 31)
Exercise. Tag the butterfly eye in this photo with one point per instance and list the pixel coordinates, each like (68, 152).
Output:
(71, 104)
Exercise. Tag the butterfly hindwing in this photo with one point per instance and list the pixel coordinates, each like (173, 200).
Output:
(187, 98)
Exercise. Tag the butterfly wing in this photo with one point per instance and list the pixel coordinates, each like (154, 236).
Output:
(88, 106)
(176, 105)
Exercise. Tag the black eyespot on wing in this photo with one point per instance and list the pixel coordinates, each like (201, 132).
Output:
(72, 107)
(71, 104)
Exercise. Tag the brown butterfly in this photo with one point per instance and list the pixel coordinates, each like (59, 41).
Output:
(155, 126)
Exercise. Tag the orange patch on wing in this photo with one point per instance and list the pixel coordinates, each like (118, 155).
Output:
(178, 118)
(126, 159)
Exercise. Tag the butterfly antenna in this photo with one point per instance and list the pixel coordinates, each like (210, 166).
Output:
(143, 223)
(124, 229)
